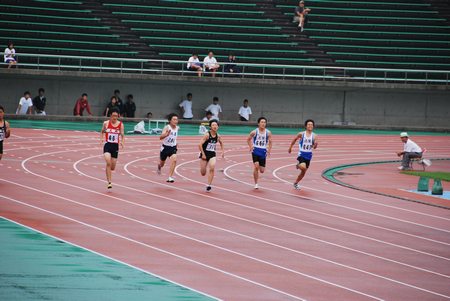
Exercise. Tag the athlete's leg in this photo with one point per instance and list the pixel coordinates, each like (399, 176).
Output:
(256, 168)
(1, 156)
(113, 163)
(108, 160)
(303, 169)
(173, 164)
(212, 165)
(203, 164)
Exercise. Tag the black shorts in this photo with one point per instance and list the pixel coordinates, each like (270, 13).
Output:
(261, 160)
(209, 155)
(112, 148)
(1, 147)
(167, 152)
(303, 160)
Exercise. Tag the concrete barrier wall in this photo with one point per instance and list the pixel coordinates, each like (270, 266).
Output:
(280, 101)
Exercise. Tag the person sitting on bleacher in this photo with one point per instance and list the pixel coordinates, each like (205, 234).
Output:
(195, 65)
(81, 105)
(10, 55)
(230, 66)
(205, 123)
(301, 15)
(211, 64)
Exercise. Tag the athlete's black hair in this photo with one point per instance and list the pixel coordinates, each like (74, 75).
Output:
(261, 118)
(115, 111)
(1, 108)
(309, 120)
(170, 116)
(212, 121)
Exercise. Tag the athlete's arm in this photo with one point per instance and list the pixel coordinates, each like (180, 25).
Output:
(221, 145)
(299, 135)
(200, 146)
(316, 143)
(269, 149)
(122, 134)
(102, 132)
(8, 130)
(249, 140)
(165, 132)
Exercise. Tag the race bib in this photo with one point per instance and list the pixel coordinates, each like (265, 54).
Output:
(211, 147)
(2, 136)
(113, 138)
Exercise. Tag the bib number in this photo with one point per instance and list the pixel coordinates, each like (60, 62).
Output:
(211, 147)
(113, 138)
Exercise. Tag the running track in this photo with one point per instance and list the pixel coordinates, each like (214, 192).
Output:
(325, 242)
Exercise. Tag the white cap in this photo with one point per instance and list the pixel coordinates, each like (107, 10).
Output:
(403, 134)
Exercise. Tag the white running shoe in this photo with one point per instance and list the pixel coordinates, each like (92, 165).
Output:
(208, 188)
(401, 167)
(170, 180)
(256, 186)
(296, 186)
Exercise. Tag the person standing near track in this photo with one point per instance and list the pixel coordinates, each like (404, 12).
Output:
(307, 142)
(5, 131)
(113, 133)
(207, 149)
(169, 146)
(260, 143)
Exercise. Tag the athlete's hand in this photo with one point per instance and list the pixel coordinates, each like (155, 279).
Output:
(203, 157)
(290, 150)
(251, 149)
(121, 145)
(223, 154)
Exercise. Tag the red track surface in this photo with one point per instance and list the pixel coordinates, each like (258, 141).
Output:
(325, 242)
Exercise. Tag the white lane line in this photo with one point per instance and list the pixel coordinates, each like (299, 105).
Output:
(329, 203)
(107, 257)
(299, 220)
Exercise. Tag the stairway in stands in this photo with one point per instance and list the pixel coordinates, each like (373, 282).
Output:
(291, 29)
(116, 27)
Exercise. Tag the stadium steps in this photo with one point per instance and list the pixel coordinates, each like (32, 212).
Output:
(380, 34)
(443, 8)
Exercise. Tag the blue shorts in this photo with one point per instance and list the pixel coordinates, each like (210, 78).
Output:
(301, 160)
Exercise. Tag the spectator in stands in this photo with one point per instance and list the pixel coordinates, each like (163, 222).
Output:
(119, 101)
(208, 116)
(186, 107)
(10, 55)
(301, 15)
(149, 115)
(112, 106)
(82, 104)
(39, 102)
(25, 104)
(245, 111)
(129, 107)
(230, 66)
(211, 64)
(214, 108)
(410, 151)
(195, 65)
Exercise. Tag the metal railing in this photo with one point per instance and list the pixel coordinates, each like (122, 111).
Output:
(247, 70)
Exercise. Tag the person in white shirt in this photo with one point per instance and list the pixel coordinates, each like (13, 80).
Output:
(10, 55)
(186, 107)
(195, 65)
(410, 150)
(25, 104)
(245, 111)
(211, 64)
(214, 108)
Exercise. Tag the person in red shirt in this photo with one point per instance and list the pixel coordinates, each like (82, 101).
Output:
(111, 135)
(82, 104)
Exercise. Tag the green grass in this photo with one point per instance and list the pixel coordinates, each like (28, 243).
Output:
(444, 176)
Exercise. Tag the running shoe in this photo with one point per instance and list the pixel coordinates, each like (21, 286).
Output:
(170, 180)
(208, 188)
(158, 171)
(256, 186)
(296, 186)
(109, 185)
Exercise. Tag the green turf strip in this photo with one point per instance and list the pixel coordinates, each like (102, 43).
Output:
(445, 176)
(38, 267)
(192, 129)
